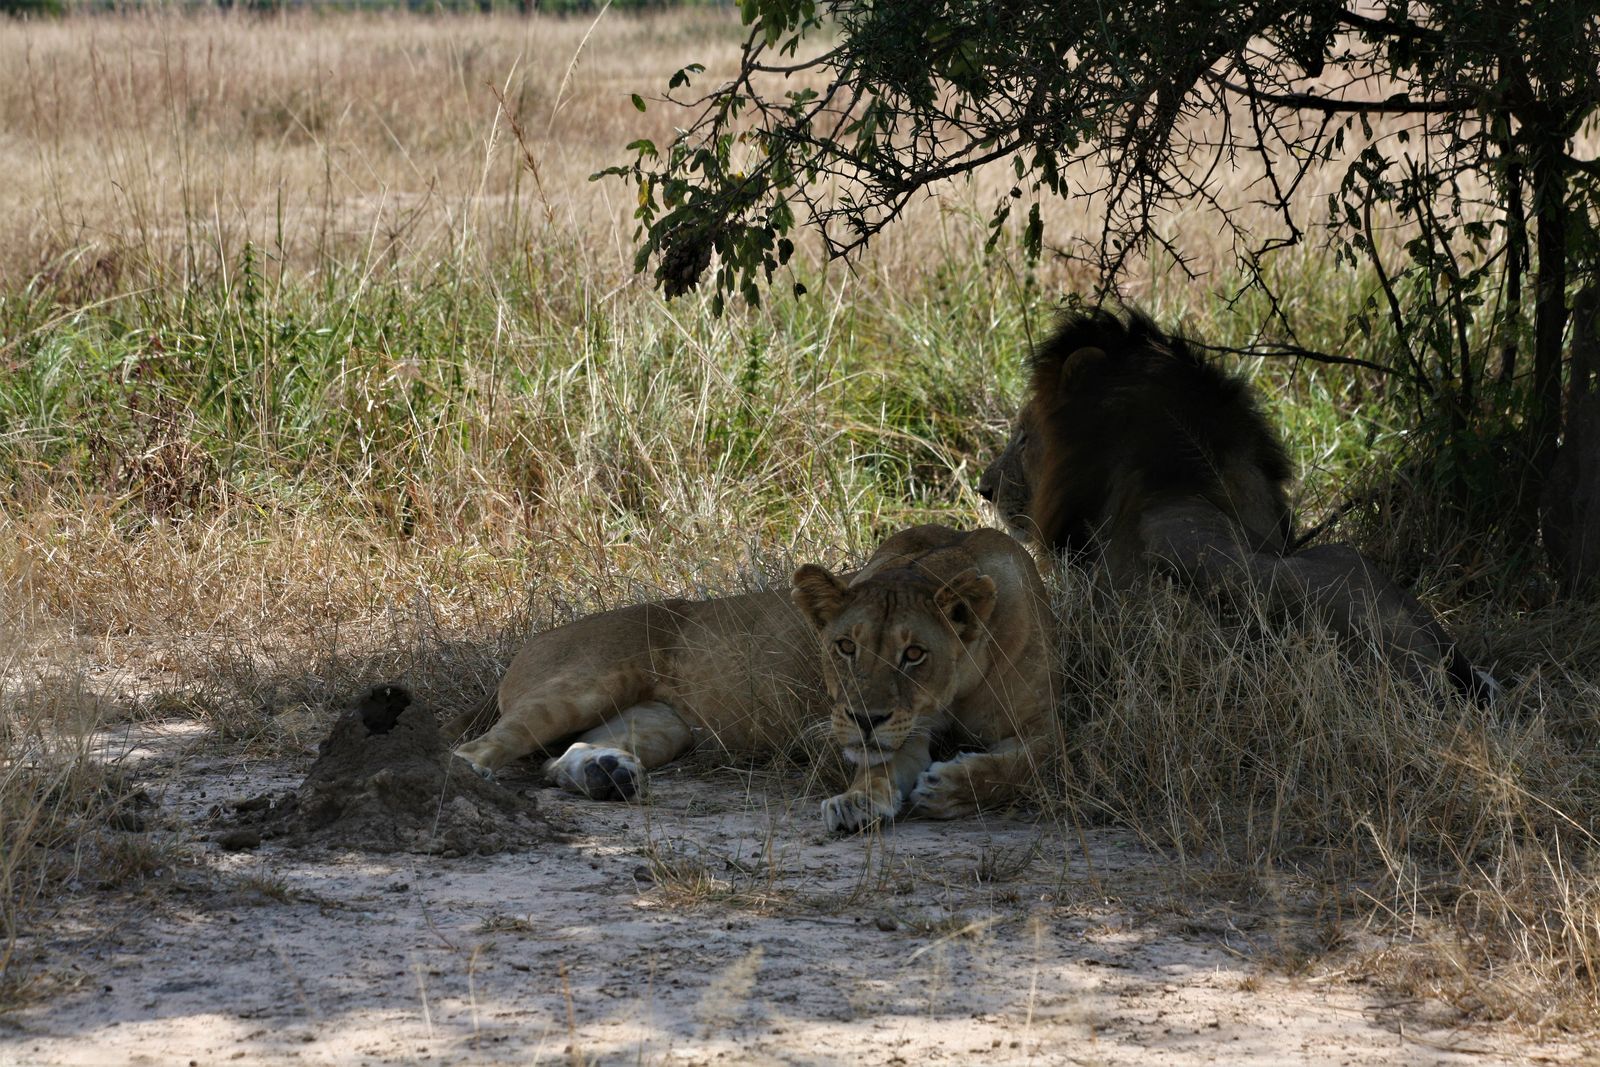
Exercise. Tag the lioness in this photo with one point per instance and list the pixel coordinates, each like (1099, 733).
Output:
(941, 633)
(1133, 452)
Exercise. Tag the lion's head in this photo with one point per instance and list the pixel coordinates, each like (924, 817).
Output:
(1007, 482)
(898, 645)
(1121, 416)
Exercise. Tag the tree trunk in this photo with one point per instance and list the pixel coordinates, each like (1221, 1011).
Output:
(1571, 520)
(1516, 265)
(1550, 303)
(1584, 365)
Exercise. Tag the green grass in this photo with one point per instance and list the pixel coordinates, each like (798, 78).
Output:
(366, 398)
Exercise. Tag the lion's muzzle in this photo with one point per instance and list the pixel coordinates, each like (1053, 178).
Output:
(866, 722)
(863, 737)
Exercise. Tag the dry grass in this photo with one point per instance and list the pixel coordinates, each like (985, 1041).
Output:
(1241, 743)
(372, 140)
(70, 823)
(312, 382)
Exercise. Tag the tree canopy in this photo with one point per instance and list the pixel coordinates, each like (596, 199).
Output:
(1462, 121)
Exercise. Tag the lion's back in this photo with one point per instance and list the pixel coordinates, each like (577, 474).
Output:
(745, 669)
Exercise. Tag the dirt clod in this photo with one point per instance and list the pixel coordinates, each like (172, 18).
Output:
(238, 840)
(385, 781)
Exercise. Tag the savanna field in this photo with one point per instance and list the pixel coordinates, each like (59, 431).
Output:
(323, 364)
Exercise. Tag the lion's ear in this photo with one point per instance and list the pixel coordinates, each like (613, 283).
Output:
(1079, 362)
(967, 600)
(1055, 381)
(818, 594)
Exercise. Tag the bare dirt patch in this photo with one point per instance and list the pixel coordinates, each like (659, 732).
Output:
(385, 781)
(713, 923)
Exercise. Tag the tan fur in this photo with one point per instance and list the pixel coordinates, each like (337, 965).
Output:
(634, 688)
(974, 606)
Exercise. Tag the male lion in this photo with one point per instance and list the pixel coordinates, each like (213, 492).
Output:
(943, 634)
(1133, 452)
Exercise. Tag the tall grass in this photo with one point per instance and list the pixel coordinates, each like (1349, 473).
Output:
(330, 374)
(1238, 742)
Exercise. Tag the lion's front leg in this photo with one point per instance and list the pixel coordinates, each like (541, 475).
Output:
(876, 794)
(972, 782)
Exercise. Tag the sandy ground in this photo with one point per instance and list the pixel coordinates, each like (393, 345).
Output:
(714, 924)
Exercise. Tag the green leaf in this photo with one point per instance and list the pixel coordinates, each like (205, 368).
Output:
(681, 77)
(1033, 235)
(638, 101)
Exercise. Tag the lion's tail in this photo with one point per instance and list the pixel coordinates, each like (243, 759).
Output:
(1473, 682)
(474, 722)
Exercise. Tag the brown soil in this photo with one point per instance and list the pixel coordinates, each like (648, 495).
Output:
(385, 781)
(715, 924)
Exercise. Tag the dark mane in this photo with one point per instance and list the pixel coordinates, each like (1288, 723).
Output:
(1127, 410)
(1136, 454)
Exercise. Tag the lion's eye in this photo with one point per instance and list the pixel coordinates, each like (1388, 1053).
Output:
(845, 647)
(913, 655)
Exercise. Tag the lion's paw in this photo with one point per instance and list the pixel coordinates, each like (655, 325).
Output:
(855, 810)
(598, 773)
(940, 793)
(477, 768)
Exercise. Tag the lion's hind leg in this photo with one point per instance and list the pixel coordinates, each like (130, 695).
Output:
(1345, 588)
(476, 719)
(609, 761)
(535, 715)
(1334, 583)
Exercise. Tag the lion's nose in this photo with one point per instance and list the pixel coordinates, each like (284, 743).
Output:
(866, 723)
(986, 491)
